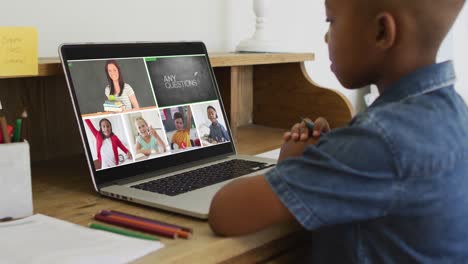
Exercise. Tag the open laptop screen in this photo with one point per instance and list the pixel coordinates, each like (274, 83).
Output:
(145, 106)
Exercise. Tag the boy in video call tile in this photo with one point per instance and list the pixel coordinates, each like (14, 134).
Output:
(217, 131)
(182, 136)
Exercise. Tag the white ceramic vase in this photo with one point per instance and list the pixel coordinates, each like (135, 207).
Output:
(262, 40)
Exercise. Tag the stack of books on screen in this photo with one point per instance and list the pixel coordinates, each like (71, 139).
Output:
(113, 106)
(142, 224)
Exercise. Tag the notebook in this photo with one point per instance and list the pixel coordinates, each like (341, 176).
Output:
(153, 124)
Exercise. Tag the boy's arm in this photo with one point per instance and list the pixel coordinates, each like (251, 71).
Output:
(245, 206)
(293, 149)
(249, 204)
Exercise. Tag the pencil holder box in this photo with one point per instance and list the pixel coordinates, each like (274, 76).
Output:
(15, 180)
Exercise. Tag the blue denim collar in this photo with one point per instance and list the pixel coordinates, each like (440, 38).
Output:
(422, 81)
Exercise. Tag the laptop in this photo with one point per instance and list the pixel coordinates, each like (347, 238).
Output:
(153, 125)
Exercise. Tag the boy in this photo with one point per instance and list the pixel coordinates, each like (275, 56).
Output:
(182, 136)
(391, 187)
(217, 131)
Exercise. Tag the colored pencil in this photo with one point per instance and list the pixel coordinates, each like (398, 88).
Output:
(108, 220)
(24, 115)
(17, 131)
(4, 126)
(121, 231)
(187, 229)
(117, 222)
(138, 224)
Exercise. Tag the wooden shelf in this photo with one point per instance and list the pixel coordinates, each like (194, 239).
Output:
(52, 66)
(246, 59)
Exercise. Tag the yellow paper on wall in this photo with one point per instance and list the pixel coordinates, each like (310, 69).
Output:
(18, 51)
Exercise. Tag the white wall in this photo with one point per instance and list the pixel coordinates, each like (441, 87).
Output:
(298, 24)
(454, 48)
(110, 20)
(300, 27)
(460, 54)
(220, 24)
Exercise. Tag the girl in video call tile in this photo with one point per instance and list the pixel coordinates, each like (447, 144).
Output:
(107, 143)
(148, 140)
(119, 90)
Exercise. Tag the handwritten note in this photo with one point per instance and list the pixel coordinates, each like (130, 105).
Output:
(18, 51)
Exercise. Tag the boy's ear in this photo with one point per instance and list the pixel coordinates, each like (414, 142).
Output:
(386, 30)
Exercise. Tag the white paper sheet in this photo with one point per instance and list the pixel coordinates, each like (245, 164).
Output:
(273, 154)
(42, 239)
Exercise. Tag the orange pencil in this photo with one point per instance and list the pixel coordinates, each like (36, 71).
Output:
(178, 231)
(143, 226)
(136, 217)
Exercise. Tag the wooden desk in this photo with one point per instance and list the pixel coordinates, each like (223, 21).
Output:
(63, 189)
(264, 94)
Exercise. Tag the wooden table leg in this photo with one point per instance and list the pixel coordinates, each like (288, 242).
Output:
(241, 97)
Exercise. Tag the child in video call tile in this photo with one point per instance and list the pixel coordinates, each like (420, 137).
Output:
(182, 136)
(121, 91)
(107, 143)
(148, 140)
(217, 132)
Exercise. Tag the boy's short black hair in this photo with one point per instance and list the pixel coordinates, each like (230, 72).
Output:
(178, 115)
(211, 107)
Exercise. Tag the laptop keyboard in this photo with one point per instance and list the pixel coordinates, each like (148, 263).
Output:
(199, 178)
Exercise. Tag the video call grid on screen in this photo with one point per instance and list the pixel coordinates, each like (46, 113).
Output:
(167, 84)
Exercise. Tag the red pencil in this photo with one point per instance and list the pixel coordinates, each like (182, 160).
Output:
(179, 232)
(137, 223)
(187, 229)
(135, 227)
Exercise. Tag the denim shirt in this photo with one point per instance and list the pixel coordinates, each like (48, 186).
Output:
(392, 186)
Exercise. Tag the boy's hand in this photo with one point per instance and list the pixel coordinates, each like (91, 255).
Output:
(300, 131)
(321, 126)
(292, 149)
